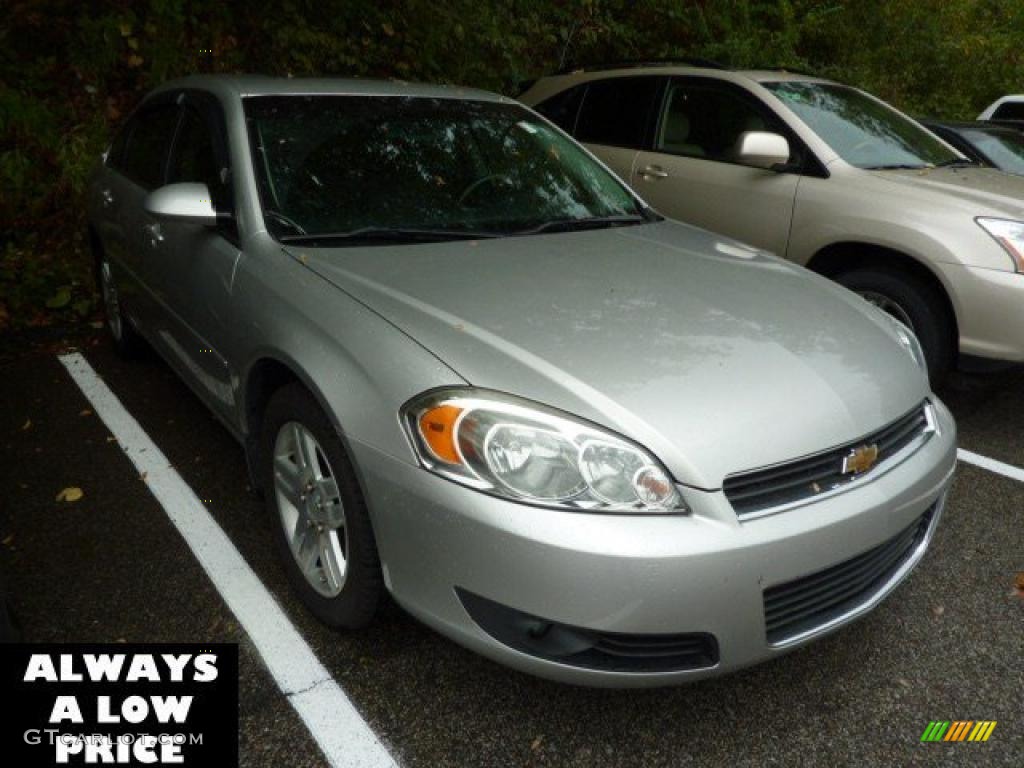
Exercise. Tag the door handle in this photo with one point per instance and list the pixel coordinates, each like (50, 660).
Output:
(155, 235)
(653, 172)
(107, 197)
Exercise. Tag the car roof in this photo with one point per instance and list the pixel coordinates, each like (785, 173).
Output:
(760, 76)
(243, 86)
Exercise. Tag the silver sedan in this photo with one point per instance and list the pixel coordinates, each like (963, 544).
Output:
(470, 368)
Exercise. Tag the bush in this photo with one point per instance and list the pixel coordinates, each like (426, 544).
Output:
(70, 71)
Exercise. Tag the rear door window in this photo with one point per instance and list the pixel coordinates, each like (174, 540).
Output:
(618, 112)
(145, 154)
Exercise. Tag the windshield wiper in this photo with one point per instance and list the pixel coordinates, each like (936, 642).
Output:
(589, 222)
(386, 235)
(898, 167)
(957, 162)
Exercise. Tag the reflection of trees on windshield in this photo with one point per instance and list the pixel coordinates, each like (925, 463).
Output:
(862, 131)
(334, 164)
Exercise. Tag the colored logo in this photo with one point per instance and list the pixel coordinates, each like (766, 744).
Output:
(860, 459)
(958, 730)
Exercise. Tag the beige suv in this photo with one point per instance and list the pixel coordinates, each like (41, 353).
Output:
(827, 176)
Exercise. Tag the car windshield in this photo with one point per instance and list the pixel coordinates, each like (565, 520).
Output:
(1004, 148)
(335, 169)
(863, 131)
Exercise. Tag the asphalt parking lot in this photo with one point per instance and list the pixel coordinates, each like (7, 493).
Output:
(949, 644)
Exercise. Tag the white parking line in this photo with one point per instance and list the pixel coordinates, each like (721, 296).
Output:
(1007, 470)
(340, 731)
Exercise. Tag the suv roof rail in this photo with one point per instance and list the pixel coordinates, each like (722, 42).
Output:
(639, 63)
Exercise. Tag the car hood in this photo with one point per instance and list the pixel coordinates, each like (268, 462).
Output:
(983, 190)
(716, 357)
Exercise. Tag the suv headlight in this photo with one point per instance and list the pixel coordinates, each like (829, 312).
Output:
(521, 450)
(1009, 234)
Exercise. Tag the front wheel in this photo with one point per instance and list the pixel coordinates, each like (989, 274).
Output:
(914, 303)
(317, 512)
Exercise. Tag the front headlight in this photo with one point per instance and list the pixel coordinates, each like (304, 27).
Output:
(1009, 234)
(513, 448)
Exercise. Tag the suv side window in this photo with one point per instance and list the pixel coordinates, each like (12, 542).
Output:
(617, 112)
(563, 108)
(146, 150)
(702, 120)
(1009, 110)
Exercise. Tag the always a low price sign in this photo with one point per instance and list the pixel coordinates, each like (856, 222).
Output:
(119, 705)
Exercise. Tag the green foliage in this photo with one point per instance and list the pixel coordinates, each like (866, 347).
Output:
(70, 72)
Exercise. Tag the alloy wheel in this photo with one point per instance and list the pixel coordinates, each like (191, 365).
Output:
(887, 305)
(310, 508)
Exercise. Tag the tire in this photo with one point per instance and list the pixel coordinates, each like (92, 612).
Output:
(126, 340)
(343, 592)
(915, 303)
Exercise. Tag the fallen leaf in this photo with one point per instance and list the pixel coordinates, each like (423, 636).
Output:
(536, 743)
(8, 540)
(60, 299)
(143, 476)
(938, 610)
(71, 493)
(1019, 583)
(111, 439)
(85, 412)
(26, 425)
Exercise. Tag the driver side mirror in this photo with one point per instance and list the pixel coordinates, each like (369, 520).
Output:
(185, 201)
(762, 149)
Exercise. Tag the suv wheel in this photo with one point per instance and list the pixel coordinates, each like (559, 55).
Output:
(125, 338)
(914, 303)
(317, 512)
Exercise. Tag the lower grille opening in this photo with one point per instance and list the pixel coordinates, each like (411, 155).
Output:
(590, 649)
(806, 603)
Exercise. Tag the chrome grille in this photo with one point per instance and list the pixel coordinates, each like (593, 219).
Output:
(753, 492)
(806, 603)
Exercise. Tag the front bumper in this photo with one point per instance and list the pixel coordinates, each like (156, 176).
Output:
(705, 573)
(990, 311)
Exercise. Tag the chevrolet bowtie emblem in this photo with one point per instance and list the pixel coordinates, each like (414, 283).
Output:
(860, 460)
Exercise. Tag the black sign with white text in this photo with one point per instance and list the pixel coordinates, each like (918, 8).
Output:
(119, 704)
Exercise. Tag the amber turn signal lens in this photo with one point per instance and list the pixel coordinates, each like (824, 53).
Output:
(437, 427)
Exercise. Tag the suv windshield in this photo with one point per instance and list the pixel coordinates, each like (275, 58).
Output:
(863, 131)
(413, 169)
(1004, 148)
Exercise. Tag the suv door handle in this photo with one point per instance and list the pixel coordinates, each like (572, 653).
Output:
(107, 197)
(653, 172)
